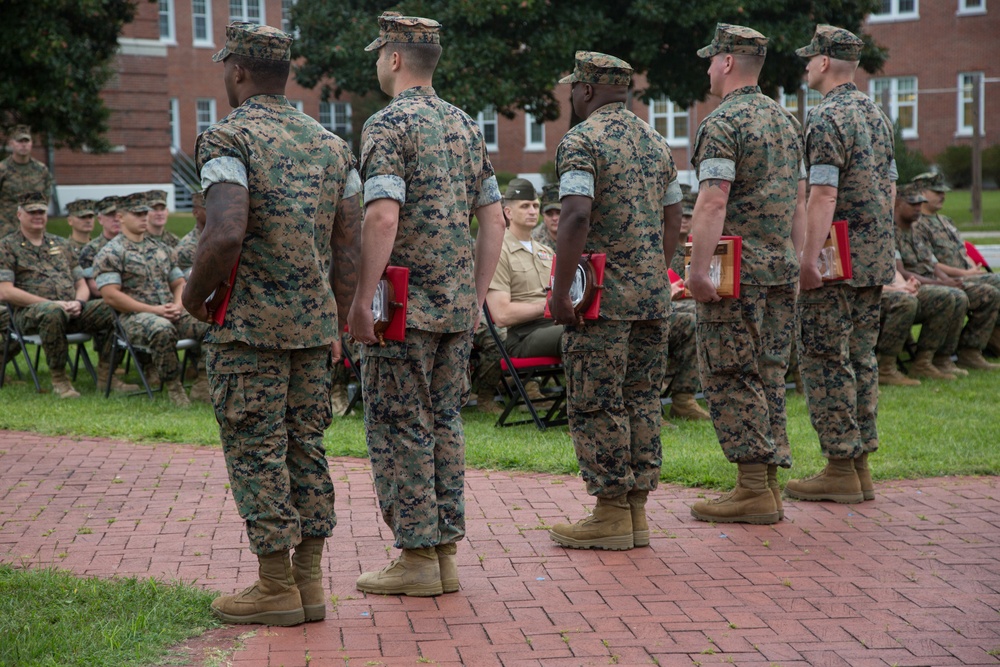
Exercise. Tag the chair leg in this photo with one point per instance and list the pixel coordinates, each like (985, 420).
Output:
(87, 363)
(32, 367)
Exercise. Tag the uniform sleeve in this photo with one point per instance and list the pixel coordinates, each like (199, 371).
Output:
(826, 154)
(7, 263)
(107, 267)
(383, 167)
(716, 150)
(501, 277)
(923, 241)
(489, 189)
(673, 193)
(576, 165)
(221, 158)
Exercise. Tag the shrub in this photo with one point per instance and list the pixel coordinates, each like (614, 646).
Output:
(909, 163)
(955, 162)
(991, 165)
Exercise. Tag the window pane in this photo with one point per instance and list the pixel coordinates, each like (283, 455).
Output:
(680, 126)
(906, 118)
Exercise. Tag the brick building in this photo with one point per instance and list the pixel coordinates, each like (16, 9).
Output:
(167, 90)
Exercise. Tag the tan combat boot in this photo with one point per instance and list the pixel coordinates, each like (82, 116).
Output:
(61, 386)
(684, 406)
(175, 391)
(972, 358)
(609, 527)
(838, 482)
(416, 572)
(772, 483)
(338, 399)
(272, 600)
(307, 571)
(534, 391)
(103, 369)
(946, 365)
(637, 507)
(448, 566)
(888, 373)
(752, 501)
(200, 390)
(923, 367)
(864, 476)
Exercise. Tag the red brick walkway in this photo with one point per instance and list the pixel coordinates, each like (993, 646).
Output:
(910, 579)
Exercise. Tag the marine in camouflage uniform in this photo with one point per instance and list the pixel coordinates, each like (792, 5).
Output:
(19, 174)
(620, 196)
(108, 218)
(550, 216)
(426, 173)
(849, 155)
(282, 201)
(748, 154)
(183, 253)
(80, 218)
(50, 297)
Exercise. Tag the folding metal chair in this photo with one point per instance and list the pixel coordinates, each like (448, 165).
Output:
(14, 334)
(547, 371)
(128, 350)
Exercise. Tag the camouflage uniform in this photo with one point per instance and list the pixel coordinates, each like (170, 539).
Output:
(74, 248)
(614, 365)
(269, 363)
(168, 239)
(938, 309)
(431, 158)
(144, 272)
(183, 252)
(540, 234)
(16, 179)
(45, 271)
(681, 372)
(85, 259)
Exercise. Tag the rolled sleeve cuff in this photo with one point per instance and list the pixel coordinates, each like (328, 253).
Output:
(385, 187)
(6, 276)
(175, 274)
(224, 170)
(893, 171)
(802, 170)
(673, 194)
(718, 169)
(576, 182)
(490, 193)
(110, 278)
(899, 255)
(77, 273)
(87, 273)
(824, 174)
(353, 185)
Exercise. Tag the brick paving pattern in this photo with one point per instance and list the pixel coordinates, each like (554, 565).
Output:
(911, 579)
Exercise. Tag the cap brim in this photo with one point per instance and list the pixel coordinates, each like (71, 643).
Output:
(806, 52)
(21, 137)
(549, 207)
(707, 51)
(220, 55)
(35, 208)
(80, 214)
(138, 209)
(375, 45)
(567, 79)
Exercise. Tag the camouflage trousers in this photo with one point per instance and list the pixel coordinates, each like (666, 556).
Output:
(614, 371)
(160, 336)
(743, 349)
(991, 279)
(486, 374)
(984, 304)
(273, 407)
(940, 314)
(413, 393)
(898, 310)
(51, 323)
(681, 373)
(838, 330)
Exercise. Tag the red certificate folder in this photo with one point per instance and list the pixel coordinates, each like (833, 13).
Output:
(724, 269)
(589, 282)
(835, 255)
(218, 301)
(399, 277)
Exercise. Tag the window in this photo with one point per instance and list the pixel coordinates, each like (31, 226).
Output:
(965, 83)
(790, 100)
(201, 22)
(175, 123)
(167, 21)
(336, 117)
(971, 6)
(204, 114)
(902, 101)
(487, 120)
(247, 10)
(296, 103)
(534, 134)
(286, 15)
(896, 10)
(669, 120)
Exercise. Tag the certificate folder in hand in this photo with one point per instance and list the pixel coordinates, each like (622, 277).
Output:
(218, 301)
(724, 269)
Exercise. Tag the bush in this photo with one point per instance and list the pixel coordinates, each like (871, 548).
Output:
(548, 171)
(955, 162)
(503, 178)
(909, 163)
(991, 165)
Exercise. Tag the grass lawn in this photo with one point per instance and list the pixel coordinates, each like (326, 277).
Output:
(957, 206)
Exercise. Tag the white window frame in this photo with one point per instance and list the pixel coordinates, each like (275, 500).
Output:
(529, 145)
(895, 13)
(964, 9)
(239, 10)
(204, 104)
(207, 40)
(175, 123)
(790, 100)
(670, 115)
(965, 97)
(342, 126)
(166, 7)
(297, 104)
(895, 104)
(286, 17)
(488, 117)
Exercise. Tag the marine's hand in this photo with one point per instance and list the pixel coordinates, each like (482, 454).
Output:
(562, 311)
(701, 288)
(809, 277)
(361, 324)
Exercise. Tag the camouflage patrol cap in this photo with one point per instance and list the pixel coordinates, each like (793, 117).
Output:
(687, 202)
(685, 188)
(550, 198)
(520, 189)
(156, 197)
(736, 39)
(394, 27)
(911, 194)
(81, 207)
(600, 68)
(834, 42)
(33, 201)
(20, 132)
(134, 203)
(108, 205)
(930, 181)
(255, 41)
(198, 199)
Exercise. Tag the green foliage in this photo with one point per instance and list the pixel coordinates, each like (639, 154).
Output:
(548, 171)
(955, 162)
(991, 165)
(909, 162)
(510, 54)
(55, 58)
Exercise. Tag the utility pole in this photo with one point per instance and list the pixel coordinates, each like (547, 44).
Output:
(977, 152)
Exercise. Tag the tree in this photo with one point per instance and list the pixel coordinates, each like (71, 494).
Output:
(509, 54)
(55, 57)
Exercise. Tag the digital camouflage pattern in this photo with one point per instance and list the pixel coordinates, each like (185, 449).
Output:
(681, 372)
(44, 270)
(74, 248)
(940, 234)
(51, 323)
(755, 144)
(15, 180)
(743, 350)
(273, 407)
(254, 41)
(430, 157)
(85, 259)
(394, 27)
(614, 373)
(735, 39)
(168, 239)
(898, 310)
(599, 68)
(183, 252)
(627, 169)
(297, 174)
(834, 42)
(917, 256)
(540, 234)
(941, 313)
(838, 330)
(413, 394)
(81, 207)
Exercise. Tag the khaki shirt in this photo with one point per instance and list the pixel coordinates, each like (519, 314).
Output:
(522, 273)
